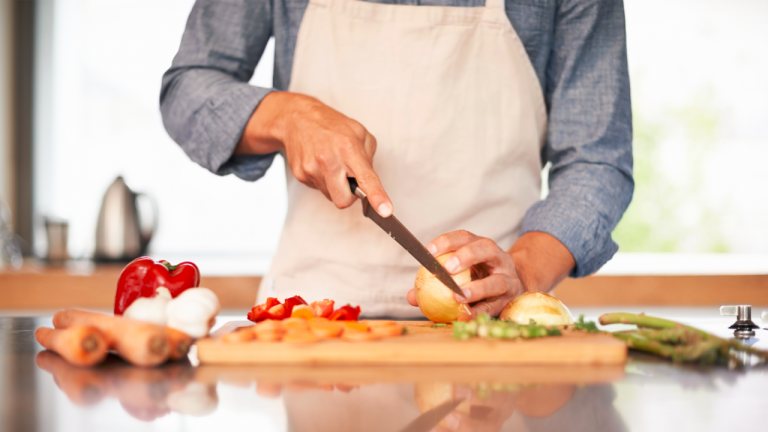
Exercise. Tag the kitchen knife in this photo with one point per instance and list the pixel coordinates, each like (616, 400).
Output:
(408, 241)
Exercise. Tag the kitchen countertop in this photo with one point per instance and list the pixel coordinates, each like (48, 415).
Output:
(39, 392)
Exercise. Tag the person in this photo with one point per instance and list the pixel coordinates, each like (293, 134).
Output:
(445, 111)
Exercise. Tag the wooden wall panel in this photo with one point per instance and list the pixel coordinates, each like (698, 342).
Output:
(54, 288)
(57, 288)
(664, 290)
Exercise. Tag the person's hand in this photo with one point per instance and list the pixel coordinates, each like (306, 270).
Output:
(323, 147)
(495, 280)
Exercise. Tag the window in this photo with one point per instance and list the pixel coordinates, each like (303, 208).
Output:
(100, 67)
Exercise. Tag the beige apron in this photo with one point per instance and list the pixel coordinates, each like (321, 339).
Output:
(459, 116)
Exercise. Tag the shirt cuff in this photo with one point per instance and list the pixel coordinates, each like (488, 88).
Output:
(578, 226)
(229, 112)
(247, 167)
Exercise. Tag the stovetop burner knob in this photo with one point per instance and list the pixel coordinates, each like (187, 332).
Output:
(744, 328)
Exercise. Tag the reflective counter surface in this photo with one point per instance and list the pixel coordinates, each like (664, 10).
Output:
(41, 392)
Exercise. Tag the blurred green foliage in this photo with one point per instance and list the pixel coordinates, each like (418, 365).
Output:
(669, 211)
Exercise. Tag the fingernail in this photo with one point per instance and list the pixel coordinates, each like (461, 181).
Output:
(432, 248)
(467, 293)
(451, 421)
(452, 264)
(385, 210)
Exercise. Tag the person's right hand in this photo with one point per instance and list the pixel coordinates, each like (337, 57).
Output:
(323, 147)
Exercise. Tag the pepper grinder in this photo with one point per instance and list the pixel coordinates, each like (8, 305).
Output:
(744, 328)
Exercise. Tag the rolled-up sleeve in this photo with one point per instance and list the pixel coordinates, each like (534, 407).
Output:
(205, 100)
(589, 141)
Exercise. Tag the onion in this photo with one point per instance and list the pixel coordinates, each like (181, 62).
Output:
(542, 308)
(435, 299)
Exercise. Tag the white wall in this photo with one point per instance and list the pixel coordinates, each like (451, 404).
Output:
(6, 136)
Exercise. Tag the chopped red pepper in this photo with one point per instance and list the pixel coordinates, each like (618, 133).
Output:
(271, 301)
(322, 308)
(291, 302)
(257, 313)
(345, 313)
(142, 276)
(261, 312)
(273, 309)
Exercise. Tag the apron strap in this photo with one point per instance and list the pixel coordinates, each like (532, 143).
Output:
(496, 4)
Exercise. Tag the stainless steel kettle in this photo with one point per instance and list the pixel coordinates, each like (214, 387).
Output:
(119, 234)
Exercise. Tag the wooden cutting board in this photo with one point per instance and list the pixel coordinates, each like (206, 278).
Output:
(421, 345)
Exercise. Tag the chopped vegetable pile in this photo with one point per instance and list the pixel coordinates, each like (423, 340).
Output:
(297, 307)
(486, 327)
(302, 331)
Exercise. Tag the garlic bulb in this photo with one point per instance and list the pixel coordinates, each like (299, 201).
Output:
(193, 311)
(542, 308)
(435, 299)
(150, 309)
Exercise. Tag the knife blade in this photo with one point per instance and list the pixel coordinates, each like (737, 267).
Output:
(408, 241)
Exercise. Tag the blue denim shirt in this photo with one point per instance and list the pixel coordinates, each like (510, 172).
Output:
(577, 47)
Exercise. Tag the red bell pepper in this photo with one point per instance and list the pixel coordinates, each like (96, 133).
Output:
(323, 308)
(345, 313)
(142, 276)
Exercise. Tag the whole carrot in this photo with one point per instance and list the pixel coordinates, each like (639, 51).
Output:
(179, 341)
(80, 345)
(140, 343)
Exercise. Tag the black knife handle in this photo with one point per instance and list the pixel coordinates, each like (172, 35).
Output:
(352, 184)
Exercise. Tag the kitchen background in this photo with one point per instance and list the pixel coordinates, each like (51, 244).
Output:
(697, 67)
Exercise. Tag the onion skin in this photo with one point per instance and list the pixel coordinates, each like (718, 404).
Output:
(435, 299)
(540, 307)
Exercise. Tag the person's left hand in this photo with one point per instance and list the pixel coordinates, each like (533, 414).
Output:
(495, 280)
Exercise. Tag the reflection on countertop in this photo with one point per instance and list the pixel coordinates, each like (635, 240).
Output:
(40, 391)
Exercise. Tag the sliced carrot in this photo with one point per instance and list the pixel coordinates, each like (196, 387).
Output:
(358, 336)
(326, 332)
(269, 325)
(354, 325)
(324, 322)
(243, 334)
(300, 337)
(80, 345)
(303, 312)
(387, 331)
(295, 324)
(269, 335)
(378, 323)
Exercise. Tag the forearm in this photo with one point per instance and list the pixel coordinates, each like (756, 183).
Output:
(541, 261)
